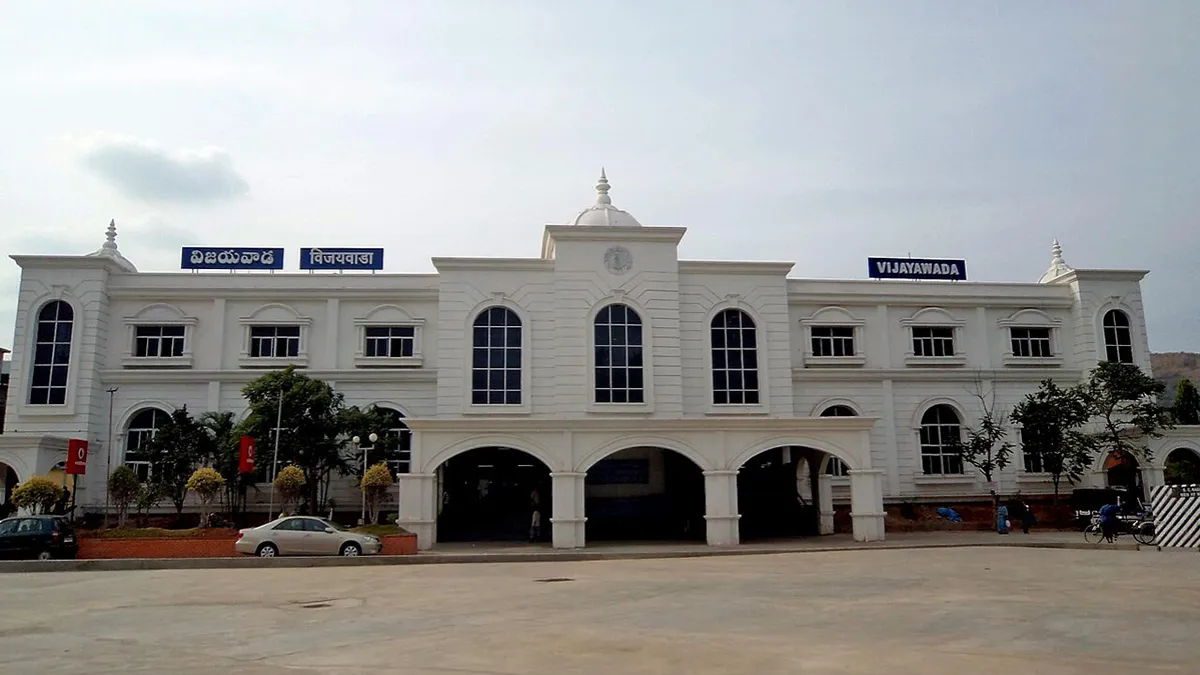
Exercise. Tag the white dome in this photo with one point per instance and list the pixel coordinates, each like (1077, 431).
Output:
(603, 213)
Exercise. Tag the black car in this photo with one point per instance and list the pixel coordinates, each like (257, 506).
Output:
(39, 537)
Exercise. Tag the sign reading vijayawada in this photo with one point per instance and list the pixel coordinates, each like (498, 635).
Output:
(220, 258)
(917, 268)
(341, 258)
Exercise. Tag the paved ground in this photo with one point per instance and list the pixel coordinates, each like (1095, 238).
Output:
(977, 611)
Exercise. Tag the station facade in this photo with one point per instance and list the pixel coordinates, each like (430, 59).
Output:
(626, 392)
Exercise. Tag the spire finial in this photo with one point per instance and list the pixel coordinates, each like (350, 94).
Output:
(1056, 251)
(110, 237)
(602, 189)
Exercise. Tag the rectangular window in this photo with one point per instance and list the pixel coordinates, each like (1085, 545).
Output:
(391, 342)
(1030, 342)
(832, 341)
(933, 341)
(158, 341)
(1035, 462)
(274, 342)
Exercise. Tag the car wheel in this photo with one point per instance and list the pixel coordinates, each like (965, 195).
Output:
(267, 551)
(351, 549)
(45, 555)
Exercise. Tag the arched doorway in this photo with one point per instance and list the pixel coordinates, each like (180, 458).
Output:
(487, 494)
(644, 493)
(779, 493)
(8, 483)
(1182, 467)
(1123, 472)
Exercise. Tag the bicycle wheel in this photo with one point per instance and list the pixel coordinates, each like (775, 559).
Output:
(1093, 534)
(1144, 534)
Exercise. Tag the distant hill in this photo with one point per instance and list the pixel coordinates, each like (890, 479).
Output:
(1174, 366)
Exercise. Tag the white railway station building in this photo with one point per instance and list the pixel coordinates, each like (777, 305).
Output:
(639, 394)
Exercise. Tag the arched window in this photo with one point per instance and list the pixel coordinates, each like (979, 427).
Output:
(941, 432)
(734, 359)
(835, 466)
(402, 461)
(141, 429)
(1118, 340)
(496, 358)
(619, 374)
(51, 354)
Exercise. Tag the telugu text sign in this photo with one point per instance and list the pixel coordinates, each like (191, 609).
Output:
(220, 258)
(917, 268)
(341, 258)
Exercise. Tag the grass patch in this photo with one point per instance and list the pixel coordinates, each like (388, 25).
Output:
(146, 532)
(380, 530)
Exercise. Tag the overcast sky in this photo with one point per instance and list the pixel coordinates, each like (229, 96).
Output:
(817, 132)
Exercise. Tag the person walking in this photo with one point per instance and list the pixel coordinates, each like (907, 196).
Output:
(1027, 518)
(535, 520)
(1002, 520)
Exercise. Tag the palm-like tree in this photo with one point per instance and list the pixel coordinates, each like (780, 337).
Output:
(224, 451)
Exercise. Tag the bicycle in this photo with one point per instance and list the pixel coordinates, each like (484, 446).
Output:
(1142, 529)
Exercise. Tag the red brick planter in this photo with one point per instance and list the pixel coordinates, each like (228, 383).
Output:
(215, 546)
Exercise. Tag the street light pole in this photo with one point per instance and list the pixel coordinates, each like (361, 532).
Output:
(108, 451)
(275, 460)
(362, 516)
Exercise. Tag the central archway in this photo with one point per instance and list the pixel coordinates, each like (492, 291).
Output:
(644, 493)
(8, 483)
(1123, 471)
(779, 493)
(491, 494)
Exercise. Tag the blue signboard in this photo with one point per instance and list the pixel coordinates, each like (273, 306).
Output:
(341, 258)
(218, 258)
(917, 268)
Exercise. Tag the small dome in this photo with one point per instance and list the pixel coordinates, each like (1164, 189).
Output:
(109, 249)
(603, 213)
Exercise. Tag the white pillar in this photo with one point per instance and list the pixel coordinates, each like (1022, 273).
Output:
(866, 504)
(824, 503)
(419, 507)
(567, 523)
(720, 507)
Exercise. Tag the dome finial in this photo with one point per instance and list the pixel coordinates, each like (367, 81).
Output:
(1056, 252)
(110, 236)
(1058, 266)
(602, 189)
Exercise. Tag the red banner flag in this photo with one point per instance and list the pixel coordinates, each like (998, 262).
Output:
(77, 450)
(246, 458)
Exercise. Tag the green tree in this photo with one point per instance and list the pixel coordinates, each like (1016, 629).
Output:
(290, 484)
(1050, 420)
(376, 484)
(149, 496)
(362, 422)
(38, 494)
(1182, 468)
(225, 456)
(985, 447)
(1187, 403)
(310, 431)
(123, 487)
(1123, 404)
(206, 482)
(177, 447)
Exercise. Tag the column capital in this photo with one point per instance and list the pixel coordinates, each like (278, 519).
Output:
(568, 474)
(868, 472)
(721, 472)
(416, 475)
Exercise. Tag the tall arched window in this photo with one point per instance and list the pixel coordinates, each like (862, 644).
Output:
(1118, 340)
(51, 354)
(835, 466)
(402, 461)
(941, 432)
(141, 429)
(619, 360)
(496, 358)
(734, 359)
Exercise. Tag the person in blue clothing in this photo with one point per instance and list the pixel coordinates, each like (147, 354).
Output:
(1108, 521)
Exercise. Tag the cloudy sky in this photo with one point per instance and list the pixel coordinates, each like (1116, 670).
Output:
(819, 132)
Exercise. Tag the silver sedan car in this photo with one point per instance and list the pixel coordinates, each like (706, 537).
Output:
(304, 535)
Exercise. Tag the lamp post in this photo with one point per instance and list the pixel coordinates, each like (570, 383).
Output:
(275, 459)
(362, 516)
(108, 451)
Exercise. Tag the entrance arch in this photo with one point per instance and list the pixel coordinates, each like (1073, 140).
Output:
(1122, 470)
(491, 494)
(8, 483)
(1182, 467)
(644, 492)
(782, 493)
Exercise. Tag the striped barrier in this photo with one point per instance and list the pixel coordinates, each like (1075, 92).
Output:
(1177, 515)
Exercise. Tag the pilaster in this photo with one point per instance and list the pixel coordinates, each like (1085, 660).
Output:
(866, 504)
(419, 507)
(720, 507)
(567, 524)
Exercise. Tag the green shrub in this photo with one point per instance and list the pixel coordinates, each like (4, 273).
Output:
(375, 485)
(206, 482)
(290, 485)
(123, 489)
(38, 494)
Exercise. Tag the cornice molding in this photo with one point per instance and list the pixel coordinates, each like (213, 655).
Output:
(267, 294)
(493, 264)
(619, 234)
(935, 374)
(770, 268)
(628, 425)
(240, 376)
